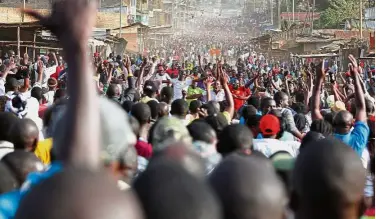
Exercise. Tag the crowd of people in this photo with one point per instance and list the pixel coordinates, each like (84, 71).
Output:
(116, 137)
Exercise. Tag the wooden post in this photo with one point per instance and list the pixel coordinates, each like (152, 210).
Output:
(34, 41)
(18, 41)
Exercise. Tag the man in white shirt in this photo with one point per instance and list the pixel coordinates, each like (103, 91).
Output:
(268, 145)
(179, 85)
(162, 77)
(218, 94)
(47, 71)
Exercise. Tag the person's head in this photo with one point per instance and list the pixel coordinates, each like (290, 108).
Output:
(235, 138)
(342, 122)
(113, 91)
(153, 105)
(269, 126)
(180, 154)
(166, 95)
(217, 86)
(161, 70)
(236, 84)
(150, 89)
(321, 126)
(179, 108)
(8, 121)
(254, 101)
(142, 112)
(21, 163)
(59, 94)
(52, 83)
(281, 99)
(370, 108)
(310, 137)
(299, 107)
(300, 121)
(12, 85)
(127, 105)
(194, 106)
(77, 197)
(166, 201)
(8, 181)
(163, 109)
(328, 181)
(247, 186)
(182, 75)
(217, 121)
(267, 104)
(167, 131)
(25, 135)
(37, 93)
(202, 131)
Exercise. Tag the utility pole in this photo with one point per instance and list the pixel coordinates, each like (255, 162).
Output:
(293, 11)
(121, 10)
(313, 11)
(361, 18)
(271, 11)
(279, 13)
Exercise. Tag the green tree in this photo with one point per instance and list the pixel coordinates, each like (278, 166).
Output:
(338, 12)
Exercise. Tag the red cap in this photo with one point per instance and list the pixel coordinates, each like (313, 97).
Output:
(269, 125)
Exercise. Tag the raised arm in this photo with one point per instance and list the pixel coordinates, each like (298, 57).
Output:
(72, 22)
(360, 103)
(230, 100)
(320, 77)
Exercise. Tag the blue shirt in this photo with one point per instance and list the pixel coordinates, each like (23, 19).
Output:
(10, 201)
(357, 139)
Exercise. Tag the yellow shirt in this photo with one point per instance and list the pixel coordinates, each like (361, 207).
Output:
(43, 150)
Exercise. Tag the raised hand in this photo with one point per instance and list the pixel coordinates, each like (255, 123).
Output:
(354, 69)
(320, 70)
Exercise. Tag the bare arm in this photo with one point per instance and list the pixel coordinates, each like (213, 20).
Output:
(230, 100)
(72, 22)
(315, 107)
(360, 103)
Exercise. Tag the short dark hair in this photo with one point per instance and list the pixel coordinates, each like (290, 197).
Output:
(8, 181)
(37, 93)
(112, 90)
(254, 101)
(234, 137)
(166, 202)
(217, 121)
(8, 120)
(278, 97)
(201, 131)
(321, 126)
(141, 111)
(179, 107)
(265, 101)
(127, 105)
(194, 106)
(21, 163)
(24, 131)
(154, 108)
(328, 175)
(167, 93)
(240, 182)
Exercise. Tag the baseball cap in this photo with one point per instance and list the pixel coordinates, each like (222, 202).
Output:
(168, 130)
(269, 125)
(150, 86)
(117, 134)
(338, 106)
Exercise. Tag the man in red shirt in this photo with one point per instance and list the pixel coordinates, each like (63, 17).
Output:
(239, 93)
(59, 68)
(173, 71)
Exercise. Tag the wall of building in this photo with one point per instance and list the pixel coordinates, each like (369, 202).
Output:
(108, 20)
